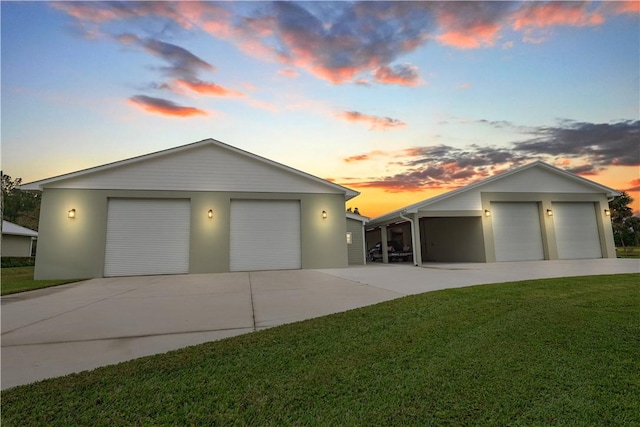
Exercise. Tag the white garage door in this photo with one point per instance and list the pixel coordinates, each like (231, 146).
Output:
(265, 235)
(516, 231)
(576, 231)
(147, 236)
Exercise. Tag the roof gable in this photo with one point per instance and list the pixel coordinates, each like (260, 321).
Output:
(208, 165)
(538, 177)
(17, 230)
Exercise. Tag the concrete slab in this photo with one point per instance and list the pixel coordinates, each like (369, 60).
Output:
(288, 296)
(409, 280)
(57, 331)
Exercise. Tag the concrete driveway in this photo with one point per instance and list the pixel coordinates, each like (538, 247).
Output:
(71, 328)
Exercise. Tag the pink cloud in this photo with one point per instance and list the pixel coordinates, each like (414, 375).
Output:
(364, 157)
(404, 75)
(536, 15)
(376, 123)
(164, 107)
(289, 73)
(482, 35)
(206, 88)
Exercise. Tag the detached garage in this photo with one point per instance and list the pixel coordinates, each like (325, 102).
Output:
(205, 207)
(534, 212)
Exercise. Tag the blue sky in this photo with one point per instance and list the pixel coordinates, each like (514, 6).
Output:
(401, 101)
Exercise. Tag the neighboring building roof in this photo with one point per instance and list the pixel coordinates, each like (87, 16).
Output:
(395, 215)
(63, 181)
(17, 230)
(357, 217)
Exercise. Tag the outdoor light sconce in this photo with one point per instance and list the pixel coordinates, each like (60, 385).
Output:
(549, 212)
(324, 214)
(607, 212)
(71, 213)
(210, 213)
(487, 213)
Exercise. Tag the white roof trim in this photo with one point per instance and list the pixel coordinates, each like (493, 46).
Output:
(39, 185)
(538, 163)
(17, 230)
(357, 217)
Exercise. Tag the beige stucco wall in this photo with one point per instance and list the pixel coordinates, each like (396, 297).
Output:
(13, 245)
(75, 248)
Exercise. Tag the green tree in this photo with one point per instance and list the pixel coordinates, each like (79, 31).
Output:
(19, 207)
(622, 219)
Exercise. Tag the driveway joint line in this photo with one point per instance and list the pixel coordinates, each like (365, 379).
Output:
(253, 309)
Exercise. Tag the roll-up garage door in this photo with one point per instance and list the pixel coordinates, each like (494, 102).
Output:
(516, 231)
(147, 236)
(576, 229)
(265, 235)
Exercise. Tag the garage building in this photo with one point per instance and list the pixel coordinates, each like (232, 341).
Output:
(534, 212)
(205, 207)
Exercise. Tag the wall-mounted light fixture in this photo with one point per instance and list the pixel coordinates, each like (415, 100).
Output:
(210, 213)
(549, 212)
(349, 238)
(324, 214)
(607, 212)
(71, 213)
(487, 213)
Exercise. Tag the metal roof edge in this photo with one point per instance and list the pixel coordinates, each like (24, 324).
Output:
(17, 230)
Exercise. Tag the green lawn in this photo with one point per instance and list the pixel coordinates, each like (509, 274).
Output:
(545, 352)
(20, 279)
(628, 252)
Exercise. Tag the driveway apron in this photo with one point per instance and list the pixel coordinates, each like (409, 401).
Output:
(71, 328)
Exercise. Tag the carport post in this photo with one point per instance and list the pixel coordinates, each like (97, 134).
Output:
(384, 247)
(413, 235)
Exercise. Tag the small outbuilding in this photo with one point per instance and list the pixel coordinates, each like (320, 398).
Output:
(205, 207)
(17, 241)
(533, 212)
(356, 244)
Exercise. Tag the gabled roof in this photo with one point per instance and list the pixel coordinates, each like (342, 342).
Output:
(17, 230)
(395, 215)
(41, 184)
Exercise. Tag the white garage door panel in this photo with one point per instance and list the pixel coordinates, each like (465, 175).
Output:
(265, 235)
(516, 231)
(576, 231)
(147, 236)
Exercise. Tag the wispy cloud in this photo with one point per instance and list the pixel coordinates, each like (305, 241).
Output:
(550, 14)
(164, 107)
(581, 148)
(601, 144)
(289, 73)
(402, 74)
(207, 88)
(375, 122)
(348, 42)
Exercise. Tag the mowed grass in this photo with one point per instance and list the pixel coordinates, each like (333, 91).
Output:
(628, 252)
(20, 279)
(545, 352)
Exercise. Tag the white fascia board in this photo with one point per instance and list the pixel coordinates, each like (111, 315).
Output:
(362, 219)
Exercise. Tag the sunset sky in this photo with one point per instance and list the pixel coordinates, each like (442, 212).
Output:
(400, 101)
